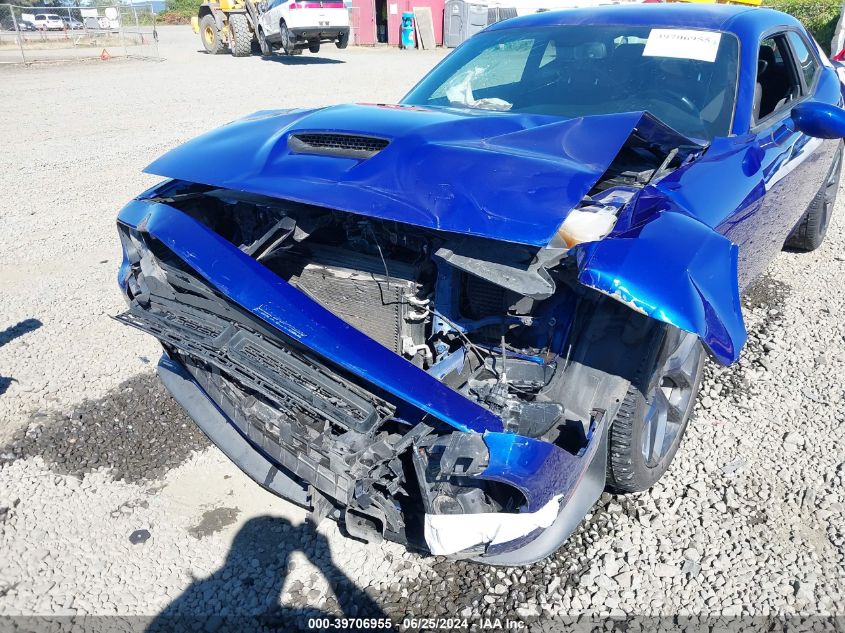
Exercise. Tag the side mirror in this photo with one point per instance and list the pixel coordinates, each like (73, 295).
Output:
(820, 120)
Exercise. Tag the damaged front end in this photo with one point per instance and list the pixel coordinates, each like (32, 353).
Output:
(444, 390)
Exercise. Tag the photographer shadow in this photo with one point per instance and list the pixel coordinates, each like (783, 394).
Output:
(245, 593)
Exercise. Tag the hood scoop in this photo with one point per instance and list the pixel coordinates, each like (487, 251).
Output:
(336, 144)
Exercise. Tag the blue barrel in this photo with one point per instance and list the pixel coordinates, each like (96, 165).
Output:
(408, 30)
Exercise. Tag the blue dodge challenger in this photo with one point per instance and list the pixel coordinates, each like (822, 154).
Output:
(453, 321)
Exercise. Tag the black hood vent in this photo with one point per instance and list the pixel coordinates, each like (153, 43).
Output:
(334, 144)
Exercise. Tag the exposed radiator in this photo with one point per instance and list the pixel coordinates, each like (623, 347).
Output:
(355, 288)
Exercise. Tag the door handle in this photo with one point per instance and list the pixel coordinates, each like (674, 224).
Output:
(780, 134)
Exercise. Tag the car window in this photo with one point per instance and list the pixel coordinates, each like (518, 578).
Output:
(549, 55)
(778, 85)
(805, 60)
(574, 71)
(500, 64)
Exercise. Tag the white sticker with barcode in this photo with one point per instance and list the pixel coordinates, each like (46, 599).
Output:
(682, 44)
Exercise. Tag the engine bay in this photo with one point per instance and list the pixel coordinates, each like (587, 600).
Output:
(398, 285)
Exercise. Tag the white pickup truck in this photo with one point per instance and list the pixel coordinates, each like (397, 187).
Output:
(293, 25)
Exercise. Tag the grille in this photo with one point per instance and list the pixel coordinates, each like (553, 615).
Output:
(299, 443)
(297, 384)
(346, 145)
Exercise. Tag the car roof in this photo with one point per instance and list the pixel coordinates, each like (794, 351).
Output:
(741, 20)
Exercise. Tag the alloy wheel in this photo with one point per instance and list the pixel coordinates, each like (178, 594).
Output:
(671, 400)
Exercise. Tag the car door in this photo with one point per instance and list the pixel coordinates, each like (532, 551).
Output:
(790, 164)
(270, 19)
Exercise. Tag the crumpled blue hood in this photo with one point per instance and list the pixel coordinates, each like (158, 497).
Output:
(503, 176)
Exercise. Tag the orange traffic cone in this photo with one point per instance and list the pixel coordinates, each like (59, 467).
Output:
(105, 55)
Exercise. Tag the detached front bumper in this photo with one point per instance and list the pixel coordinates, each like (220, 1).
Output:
(298, 399)
(531, 546)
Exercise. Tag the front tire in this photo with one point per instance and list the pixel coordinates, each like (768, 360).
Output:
(241, 35)
(314, 47)
(210, 36)
(652, 419)
(264, 45)
(810, 232)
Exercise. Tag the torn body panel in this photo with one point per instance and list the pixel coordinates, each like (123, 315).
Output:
(674, 269)
(295, 315)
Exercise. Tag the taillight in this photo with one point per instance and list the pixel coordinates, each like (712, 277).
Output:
(840, 56)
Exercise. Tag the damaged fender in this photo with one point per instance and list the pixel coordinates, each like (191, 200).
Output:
(674, 269)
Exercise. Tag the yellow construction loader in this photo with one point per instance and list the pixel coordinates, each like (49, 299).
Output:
(227, 23)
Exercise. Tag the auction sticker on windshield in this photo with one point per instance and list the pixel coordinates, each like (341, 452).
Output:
(682, 44)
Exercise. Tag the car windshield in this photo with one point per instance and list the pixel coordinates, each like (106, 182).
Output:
(686, 78)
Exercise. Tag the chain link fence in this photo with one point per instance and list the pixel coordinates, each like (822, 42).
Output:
(43, 34)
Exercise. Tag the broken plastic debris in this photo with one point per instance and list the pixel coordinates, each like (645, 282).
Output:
(451, 533)
(587, 224)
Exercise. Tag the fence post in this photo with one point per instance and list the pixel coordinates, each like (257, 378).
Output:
(17, 32)
(122, 30)
(138, 34)
(154, 16)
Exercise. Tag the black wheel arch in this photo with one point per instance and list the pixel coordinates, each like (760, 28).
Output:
(605, 351)
(613, 349)
(212, 9)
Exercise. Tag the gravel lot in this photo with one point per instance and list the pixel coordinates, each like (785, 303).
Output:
(112, 503)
